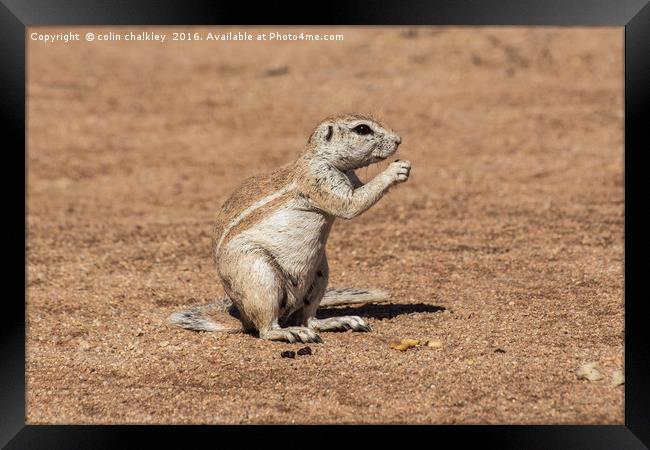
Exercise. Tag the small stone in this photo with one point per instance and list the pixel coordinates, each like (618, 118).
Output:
(617, 377)
(403, 344)
(84, 346)
(499, 350)
(276, 71)
(589, 371)
(434, 344)
(164, 344)
(304, 351)
(288, 354)
(399, 346)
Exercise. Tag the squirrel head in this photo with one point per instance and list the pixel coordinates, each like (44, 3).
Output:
(351, 141)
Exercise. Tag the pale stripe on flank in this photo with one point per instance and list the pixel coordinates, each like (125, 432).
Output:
(258, 204)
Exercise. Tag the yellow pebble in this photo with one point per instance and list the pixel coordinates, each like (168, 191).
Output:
(401, 345)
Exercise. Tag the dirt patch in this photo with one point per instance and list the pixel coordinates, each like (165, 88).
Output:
(506, 245)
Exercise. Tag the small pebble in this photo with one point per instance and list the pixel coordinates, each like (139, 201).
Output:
(499, 350)
(399, 346)
(403, 344)
(288, 354)
(589, 371)
(434, 344)
(304, 351)
(276, 71)
(84, 345)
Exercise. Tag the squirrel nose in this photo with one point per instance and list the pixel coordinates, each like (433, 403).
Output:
(398, 140)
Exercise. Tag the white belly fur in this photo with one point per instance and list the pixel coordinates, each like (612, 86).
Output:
(295, 237)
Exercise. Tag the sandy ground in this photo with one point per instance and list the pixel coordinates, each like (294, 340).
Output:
(509, 234)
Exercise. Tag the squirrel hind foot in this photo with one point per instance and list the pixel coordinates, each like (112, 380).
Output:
(340, 323)
(291, 334)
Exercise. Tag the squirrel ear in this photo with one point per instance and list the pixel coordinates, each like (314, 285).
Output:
(324, 131)
(330, 131)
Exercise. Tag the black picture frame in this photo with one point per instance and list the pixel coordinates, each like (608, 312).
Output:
(634, 15)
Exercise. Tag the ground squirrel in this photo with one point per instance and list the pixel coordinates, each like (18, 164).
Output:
(270, 235)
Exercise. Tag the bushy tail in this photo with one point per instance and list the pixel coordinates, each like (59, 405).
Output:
(199, 318)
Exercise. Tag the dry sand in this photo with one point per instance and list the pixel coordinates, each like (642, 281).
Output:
(509, 234)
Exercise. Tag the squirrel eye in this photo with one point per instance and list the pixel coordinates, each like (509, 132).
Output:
(362, 129)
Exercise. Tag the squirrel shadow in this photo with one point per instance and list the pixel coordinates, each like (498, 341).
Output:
(378, 311)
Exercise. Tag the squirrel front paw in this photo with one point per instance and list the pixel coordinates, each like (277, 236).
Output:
(398, 171)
